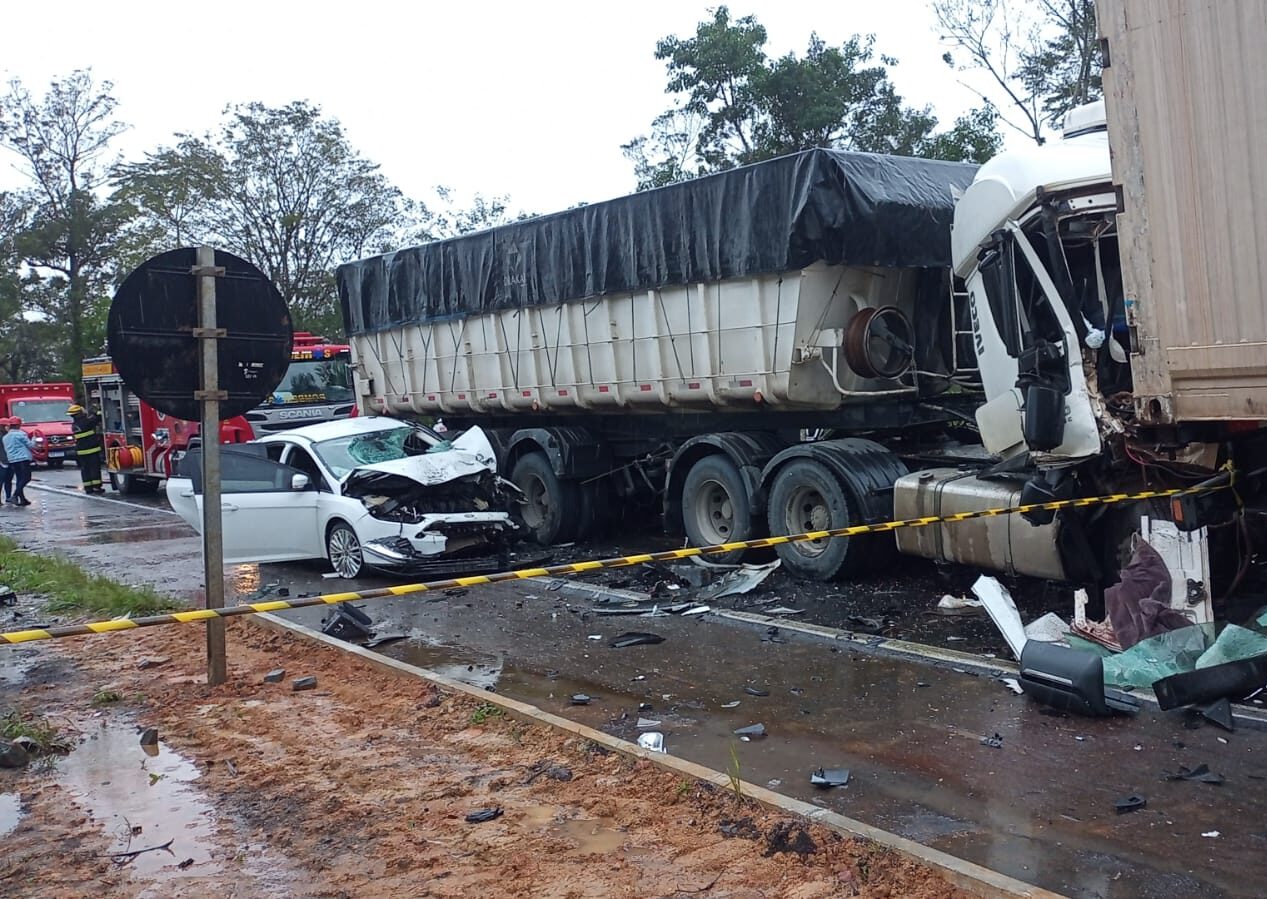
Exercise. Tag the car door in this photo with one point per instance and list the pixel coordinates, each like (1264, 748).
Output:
(266, 517)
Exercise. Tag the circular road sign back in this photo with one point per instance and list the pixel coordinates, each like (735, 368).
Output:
(152, 342)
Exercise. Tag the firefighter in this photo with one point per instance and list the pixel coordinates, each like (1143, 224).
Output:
(87, 447)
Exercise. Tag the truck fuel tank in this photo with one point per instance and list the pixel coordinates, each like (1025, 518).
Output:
(1004, 543)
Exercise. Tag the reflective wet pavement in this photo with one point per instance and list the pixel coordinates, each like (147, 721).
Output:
(1039, 808)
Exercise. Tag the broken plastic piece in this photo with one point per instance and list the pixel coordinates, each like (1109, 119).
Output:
(1200, 774)
(1231, 679)
(994, 742)
(479, 816)
(635, 638)
(1130, 804)
(1211, 834)
(756, 691)
(347, 622)
(1003, 612)
(783, 610)
(730, 705)
(741, 580)
(580, 699)
(595, 637)
(958, 605)
(1012, 684)
(829, 777)
(384, 640)
(653, 740)
(864, 625)
(1220, 712)
(697, 610)
(644, 723)
(751, 731)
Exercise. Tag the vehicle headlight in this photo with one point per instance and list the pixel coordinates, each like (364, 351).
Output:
(39, 440)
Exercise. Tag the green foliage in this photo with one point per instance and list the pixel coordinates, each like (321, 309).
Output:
(106, 697)
(733, 774)
(14, 724)
(70, 589)
(1041, 57)
(486, 710)
(735, 106)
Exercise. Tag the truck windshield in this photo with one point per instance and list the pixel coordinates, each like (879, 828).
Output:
(312, 381)
(342, 454)
(38, 411)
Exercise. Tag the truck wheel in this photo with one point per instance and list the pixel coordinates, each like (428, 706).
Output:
(133, 485)
(806, 497)
(343, 549)
(715, 506)
(550, 507)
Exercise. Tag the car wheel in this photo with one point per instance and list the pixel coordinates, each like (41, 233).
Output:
(715, 506)
(343, 549)
(806, 497)
(550, 507)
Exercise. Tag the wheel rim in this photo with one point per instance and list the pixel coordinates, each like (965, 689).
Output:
(345, 553)
(807, 510)
(714, 514)
(536, 505)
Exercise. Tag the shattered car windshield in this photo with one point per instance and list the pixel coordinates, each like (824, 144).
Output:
(342, 454)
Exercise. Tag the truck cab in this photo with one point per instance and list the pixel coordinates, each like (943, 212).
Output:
(42, 408)
(317, 387)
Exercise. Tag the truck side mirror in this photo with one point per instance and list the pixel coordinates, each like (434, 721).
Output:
(299, 482)
(1044, 417)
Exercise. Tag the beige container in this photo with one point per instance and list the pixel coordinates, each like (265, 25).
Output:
(1186, 95)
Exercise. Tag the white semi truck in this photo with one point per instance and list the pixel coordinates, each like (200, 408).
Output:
(829, 339)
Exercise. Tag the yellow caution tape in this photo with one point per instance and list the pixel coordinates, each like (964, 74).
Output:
(119, 624)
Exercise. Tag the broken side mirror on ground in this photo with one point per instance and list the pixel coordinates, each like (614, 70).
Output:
(1070, 680)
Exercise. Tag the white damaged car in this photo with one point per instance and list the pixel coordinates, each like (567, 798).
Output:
(362, 492)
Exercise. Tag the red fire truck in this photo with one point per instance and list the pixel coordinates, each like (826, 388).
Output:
(142, 444)
(42, 408)
(317, 387)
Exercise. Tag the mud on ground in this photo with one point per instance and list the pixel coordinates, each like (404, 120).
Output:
(361, 786)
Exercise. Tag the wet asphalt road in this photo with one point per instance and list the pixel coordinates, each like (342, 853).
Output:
(1039, 808)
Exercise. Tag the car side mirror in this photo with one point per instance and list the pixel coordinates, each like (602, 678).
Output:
(299, 482)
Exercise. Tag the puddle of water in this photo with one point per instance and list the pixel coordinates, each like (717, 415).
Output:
(10, 812)
(124, 786)
(597, 835)
(14, 664)
(477, 669)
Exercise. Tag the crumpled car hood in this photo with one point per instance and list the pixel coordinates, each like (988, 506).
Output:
(469, 454)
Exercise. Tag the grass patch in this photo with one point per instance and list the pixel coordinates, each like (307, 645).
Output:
(15, 724)
(484, 711)
(105, 697)
(70, 589)
(734, 774)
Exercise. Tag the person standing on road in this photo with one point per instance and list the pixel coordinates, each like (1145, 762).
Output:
(6, 470)
(87, 447)
(19, 451)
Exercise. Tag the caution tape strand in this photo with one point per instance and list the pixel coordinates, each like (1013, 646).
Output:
(195, 615)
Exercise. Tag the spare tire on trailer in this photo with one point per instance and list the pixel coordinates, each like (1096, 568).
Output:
(551, 508)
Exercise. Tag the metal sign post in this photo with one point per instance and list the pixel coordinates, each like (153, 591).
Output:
(212, 518)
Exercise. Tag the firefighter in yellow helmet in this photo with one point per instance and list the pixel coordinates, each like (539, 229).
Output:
(87, 447)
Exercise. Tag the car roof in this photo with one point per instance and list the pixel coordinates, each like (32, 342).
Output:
(330, 430)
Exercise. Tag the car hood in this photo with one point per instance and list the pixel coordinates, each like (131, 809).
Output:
(470, 454)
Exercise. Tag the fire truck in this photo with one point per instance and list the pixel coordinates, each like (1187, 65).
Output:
(42, 408)
(143, 446)
(317, 387)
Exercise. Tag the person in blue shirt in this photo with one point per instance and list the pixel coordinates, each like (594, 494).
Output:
(18, 450)
(6, 470)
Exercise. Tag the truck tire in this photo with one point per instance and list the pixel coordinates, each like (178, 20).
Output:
(551, 508)
(806, 496)
(132, 485)
(715, 506)
(343, 549)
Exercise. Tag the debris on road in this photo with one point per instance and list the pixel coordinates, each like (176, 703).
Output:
(742, 580)
(863, 625)
(1003, 612)
(580, 699)
(784, 610)
(152, 662)
(1201, 774)
(756, 691)
(635, 638)
(1219, 713)
(958, 605)
(730, 705)
(829, 777)
(1130, 804)
(304, 683)
(645, 723)
(994, 742)
(149, 736)
(1012, 684)
(347, 622)
(8, 596)
(652, 740)
(1211, 834)
(751, 732)
(1050, 628)
(12, 755)
(479, 816)
(276, 676)
(384, 640)
(1070, 680)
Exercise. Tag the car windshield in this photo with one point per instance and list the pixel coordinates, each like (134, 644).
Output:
(314, 381)
(37, 411)
(342, 454)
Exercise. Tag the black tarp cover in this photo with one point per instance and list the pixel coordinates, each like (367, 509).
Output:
(780, 215)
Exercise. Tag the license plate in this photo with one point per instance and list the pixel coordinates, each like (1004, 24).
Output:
(56, 454)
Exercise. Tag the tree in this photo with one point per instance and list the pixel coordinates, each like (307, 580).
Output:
(282, 187)
(1043, 56)
(70, 235)
(734, 106)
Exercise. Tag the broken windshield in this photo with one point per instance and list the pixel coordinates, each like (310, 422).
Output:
(342, 454)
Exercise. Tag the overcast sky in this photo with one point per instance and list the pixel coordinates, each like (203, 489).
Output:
(530, 100)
